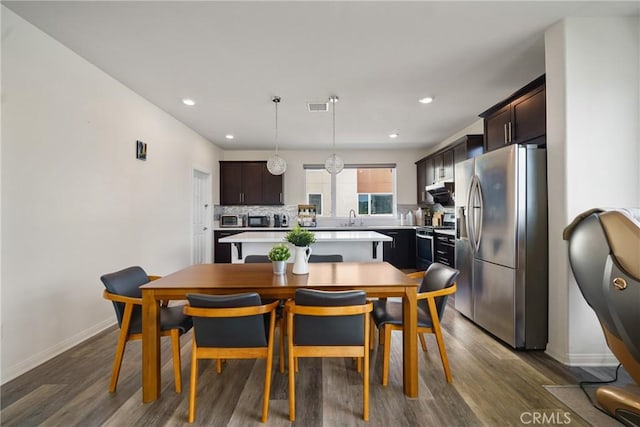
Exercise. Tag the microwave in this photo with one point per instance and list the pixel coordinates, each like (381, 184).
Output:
(230, 221)
(257, 221)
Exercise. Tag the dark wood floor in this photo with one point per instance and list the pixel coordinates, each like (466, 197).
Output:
(492, 385)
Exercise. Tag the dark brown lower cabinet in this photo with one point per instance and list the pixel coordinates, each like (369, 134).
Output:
(401, 251)
(445, 248)
(222, 251)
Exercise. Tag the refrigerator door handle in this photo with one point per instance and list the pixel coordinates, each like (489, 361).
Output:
(479, 225)
(470, 213)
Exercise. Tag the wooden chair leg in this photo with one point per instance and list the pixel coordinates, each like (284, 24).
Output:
(440, 340)
(386, 350)
(117, 361)
(283, 324)
(372, 331)
(365, 392)
(423, 342)
(177, 367)
(219, 366)
(292, 369)
(359, 364)
(193, 382)
(267, 384)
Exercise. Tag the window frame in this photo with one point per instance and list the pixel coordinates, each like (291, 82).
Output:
(394, 186)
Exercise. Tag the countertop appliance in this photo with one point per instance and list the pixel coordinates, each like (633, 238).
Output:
(501, 244)
(276, 220)
(257, 221)
(230, 221)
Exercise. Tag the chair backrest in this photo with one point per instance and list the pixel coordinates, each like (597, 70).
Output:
(603, 250)
(325, 258)
(233, 332)
(329, 330)
(256, 259)
(438, 276)
(125, 282)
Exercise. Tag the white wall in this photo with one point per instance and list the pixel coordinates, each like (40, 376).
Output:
(593, 140)
(75, 201)
(294, 178)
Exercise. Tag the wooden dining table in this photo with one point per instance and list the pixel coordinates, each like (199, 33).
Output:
(380, 280)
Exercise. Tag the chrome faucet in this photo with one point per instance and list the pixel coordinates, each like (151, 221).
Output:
(354, 217)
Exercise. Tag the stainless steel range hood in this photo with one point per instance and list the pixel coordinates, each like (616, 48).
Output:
(441, 187)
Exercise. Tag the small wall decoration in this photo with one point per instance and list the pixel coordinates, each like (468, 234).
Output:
(141, 150)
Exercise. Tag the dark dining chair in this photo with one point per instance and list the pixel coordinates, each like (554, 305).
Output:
(438, 282)
(328, 324)
(230, 327)
(325, 258)
(256, 259)
(123, 289)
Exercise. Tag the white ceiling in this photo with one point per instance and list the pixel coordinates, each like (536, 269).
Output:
(378, 57)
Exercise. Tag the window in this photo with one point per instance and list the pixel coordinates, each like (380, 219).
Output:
(315, 199)
(367, 189)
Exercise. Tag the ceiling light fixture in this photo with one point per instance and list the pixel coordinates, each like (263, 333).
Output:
(394, 135)
(426, 100)
(334, 163)
(276, 165)
(229, 136)
(189, 102)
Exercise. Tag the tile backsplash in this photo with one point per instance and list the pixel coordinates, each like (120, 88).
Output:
(290, 210)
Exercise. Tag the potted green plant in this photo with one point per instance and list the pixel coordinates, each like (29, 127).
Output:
(301, 238)
(279, 254)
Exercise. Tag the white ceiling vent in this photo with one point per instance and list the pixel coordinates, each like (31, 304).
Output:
(318, 107)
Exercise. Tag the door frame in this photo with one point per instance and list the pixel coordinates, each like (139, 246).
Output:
(208, 217)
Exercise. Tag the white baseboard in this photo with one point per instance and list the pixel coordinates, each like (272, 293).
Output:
(39, 358)
(603, 359)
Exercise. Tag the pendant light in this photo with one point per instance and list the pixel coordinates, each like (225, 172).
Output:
(276, 165)
(334, 163)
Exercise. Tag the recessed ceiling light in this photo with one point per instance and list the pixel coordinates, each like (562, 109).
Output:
(426, 100)
(394, 135)
(229, 136)
(189, 102)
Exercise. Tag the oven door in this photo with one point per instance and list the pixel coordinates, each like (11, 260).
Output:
(424, 249)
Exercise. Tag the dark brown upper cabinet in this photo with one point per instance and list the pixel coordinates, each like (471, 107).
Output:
(519, 119)
(249, 183)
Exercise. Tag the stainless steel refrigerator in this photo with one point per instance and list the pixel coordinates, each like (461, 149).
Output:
(501, 244)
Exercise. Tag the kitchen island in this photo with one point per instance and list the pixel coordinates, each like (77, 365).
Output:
(354, 246)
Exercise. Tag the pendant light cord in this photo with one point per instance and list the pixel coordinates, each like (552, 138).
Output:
(276, 100)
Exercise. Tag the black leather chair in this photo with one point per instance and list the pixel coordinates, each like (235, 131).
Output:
(256, 259)
(328, 324)
(325, 258)
(604, 253)
(123, 289)
(438, 282)
(230, 327)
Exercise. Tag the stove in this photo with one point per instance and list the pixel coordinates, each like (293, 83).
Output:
(425, 249)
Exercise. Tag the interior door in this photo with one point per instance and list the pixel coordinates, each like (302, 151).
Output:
(201, 229)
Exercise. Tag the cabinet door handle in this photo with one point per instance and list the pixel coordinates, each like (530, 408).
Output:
(280, 197)
(506, 136)
(510, 134)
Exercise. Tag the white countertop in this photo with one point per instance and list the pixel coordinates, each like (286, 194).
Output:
(321, 236)
(322, 228)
